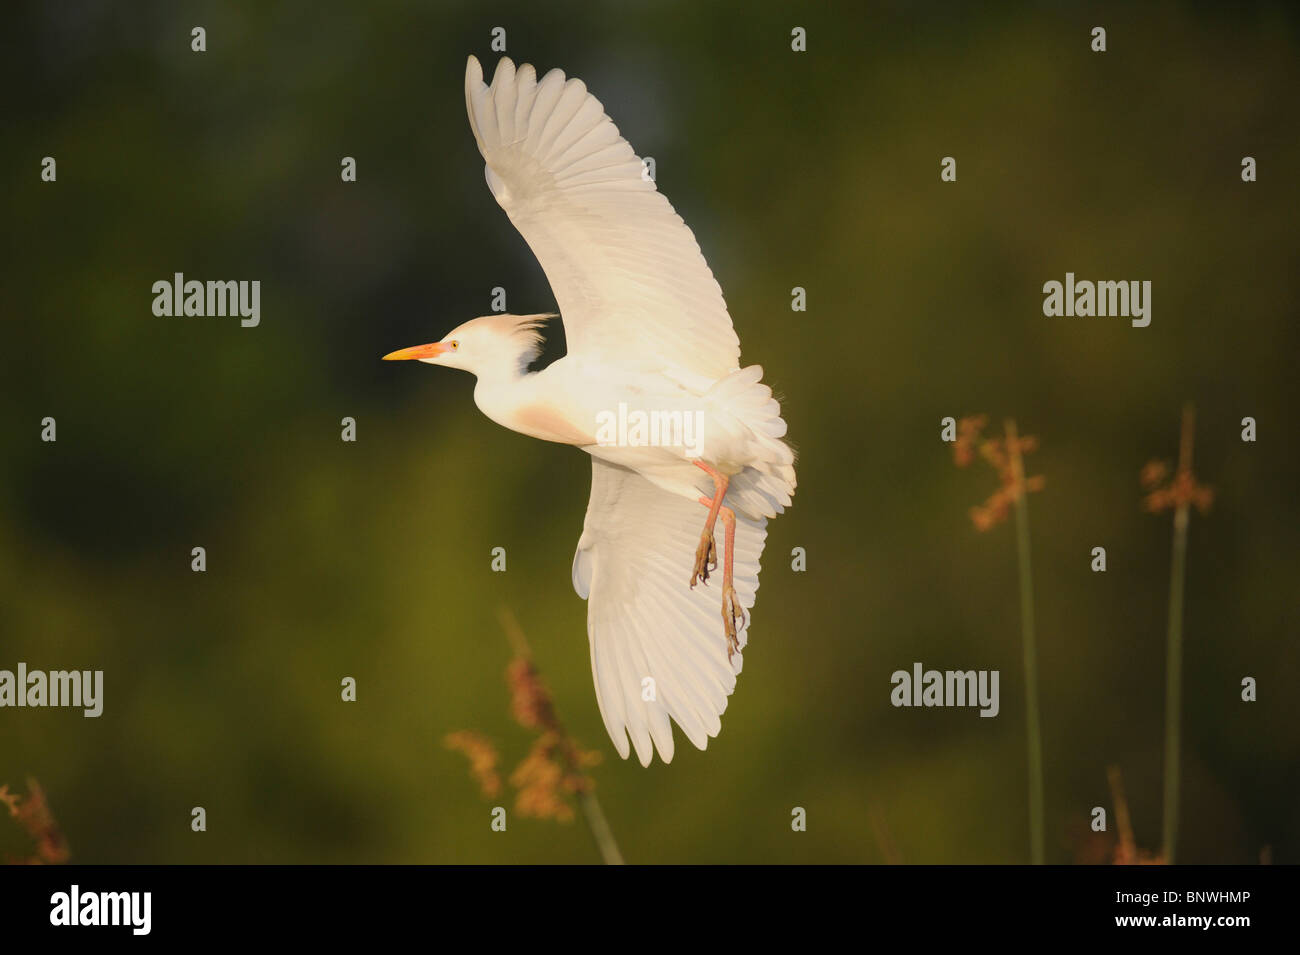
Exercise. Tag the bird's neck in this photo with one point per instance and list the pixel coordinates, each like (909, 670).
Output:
(535, 404)
(505, 370)
(500, 384)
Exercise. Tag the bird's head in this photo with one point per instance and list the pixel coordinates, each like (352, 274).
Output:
(486, 344)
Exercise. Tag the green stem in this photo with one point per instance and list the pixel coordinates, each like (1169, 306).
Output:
(587, 801)
(1174, 663)
(600, 830)
(1034, 733)
(1174, 685)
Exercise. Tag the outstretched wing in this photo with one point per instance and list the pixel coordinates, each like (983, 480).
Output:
(657, 646)
(626, 271)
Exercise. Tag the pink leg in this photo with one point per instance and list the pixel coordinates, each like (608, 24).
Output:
(706, 553)
(732, 613)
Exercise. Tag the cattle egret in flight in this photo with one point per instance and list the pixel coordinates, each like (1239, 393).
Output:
(651, 388)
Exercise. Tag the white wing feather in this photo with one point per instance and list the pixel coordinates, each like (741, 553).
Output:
(633, 563)
(626, 271)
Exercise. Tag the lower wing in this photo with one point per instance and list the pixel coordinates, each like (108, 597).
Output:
(657, 646)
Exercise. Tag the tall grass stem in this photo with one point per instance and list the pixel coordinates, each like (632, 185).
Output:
(588, 804)
(1174, 661)
(1034, 738)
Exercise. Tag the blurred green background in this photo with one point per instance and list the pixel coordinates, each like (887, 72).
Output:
(371, 560)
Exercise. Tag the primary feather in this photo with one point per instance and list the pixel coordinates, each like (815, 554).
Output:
(626, 271)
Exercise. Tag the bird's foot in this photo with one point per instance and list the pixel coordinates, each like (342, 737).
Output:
(706, 559)
(733, 618)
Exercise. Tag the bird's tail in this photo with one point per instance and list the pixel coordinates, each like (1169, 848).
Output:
(765, 487)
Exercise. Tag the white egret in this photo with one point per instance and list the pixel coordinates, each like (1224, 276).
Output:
(651, 387)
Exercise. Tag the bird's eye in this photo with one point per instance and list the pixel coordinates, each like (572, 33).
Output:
(455, 346)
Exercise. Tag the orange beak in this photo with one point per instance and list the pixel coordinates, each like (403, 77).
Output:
(432, 350)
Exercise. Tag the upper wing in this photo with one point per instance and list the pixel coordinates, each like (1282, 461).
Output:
(626, 271)
(657, 646)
